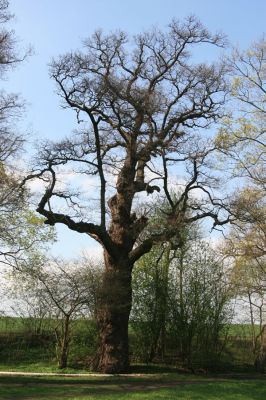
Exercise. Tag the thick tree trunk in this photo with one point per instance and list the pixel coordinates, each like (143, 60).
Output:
(116, 296)
(113, 316)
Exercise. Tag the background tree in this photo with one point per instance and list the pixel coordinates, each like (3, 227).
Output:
(62, 291)
(181, 303)
(243, 139)
(145, 104)
(150, 307)
(12, 196)
(249, 282)
(200, 306)
(10, 106)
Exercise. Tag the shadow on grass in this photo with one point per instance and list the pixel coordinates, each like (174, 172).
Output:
(123, 388)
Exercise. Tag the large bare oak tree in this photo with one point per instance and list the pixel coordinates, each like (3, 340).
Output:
(143, 105)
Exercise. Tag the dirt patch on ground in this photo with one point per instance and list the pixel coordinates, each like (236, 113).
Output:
(113, 386)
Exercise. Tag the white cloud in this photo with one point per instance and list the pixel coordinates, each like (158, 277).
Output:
(93, 253)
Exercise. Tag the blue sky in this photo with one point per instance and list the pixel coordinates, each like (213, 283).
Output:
(53, 27)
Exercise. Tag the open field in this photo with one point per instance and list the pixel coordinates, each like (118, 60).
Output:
(154, 387)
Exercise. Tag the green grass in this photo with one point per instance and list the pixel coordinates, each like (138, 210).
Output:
(146, 388)
(22, 324)
(40, 368)
(240, 330)
(11, 324)
(18, 324)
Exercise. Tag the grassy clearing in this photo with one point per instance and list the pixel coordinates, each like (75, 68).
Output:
(156, 387)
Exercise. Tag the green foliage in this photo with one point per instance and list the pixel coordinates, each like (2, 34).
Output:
(84, 342)
(180, 304)
(24, 238)
(150, 282)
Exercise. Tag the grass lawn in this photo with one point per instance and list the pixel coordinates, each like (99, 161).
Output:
(45, 367)
(149, 387)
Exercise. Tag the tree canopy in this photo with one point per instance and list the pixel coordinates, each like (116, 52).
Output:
(142, 105)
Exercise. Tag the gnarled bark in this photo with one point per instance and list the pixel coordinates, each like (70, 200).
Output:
(113, 316)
